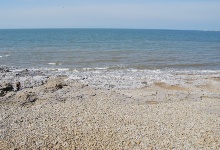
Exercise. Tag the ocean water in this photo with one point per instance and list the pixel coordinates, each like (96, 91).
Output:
(110, 49)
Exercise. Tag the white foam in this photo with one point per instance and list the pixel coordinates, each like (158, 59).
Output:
(128, 78)
(55, 63)
(5, 56)
(104, 68)
(62, 69)
(135, 78)
(97, 68)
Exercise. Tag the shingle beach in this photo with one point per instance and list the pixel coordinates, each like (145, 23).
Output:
(97, 111)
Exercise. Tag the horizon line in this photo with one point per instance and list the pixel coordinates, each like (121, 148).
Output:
(110, 28)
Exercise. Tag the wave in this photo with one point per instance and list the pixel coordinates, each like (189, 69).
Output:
(5, 56)
(55, 63)
(52, 63)
(125, 78)
(117, 70)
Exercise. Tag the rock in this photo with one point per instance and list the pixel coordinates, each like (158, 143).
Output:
(145, 83)
(1, 93)
(18, 86)
(9, 95)
(84, 78)
(55, 84)
(6, 88)
(4, 69)
(59, 86)
(26, 98)
(32, 98)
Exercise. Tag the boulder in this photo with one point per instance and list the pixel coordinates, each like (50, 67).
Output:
(26, 98)
(6, 88)
(59, 86)
(55, 84)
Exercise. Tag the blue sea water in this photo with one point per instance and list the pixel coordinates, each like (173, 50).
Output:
(110, 48)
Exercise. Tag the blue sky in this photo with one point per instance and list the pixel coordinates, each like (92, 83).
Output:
(141, 14)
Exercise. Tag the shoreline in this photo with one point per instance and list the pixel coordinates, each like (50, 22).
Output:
(107, 109)
(169, 76)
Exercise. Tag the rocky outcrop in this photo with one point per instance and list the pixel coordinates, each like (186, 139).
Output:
(4, 69)
(6, 88)
(26, 98)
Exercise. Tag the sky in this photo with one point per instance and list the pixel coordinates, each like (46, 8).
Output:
(133, 14)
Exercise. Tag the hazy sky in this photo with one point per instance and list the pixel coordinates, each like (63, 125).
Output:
(145, 14)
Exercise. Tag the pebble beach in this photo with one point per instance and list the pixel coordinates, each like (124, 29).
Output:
(106, 109)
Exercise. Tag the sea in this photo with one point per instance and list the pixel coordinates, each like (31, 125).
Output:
(113, 49)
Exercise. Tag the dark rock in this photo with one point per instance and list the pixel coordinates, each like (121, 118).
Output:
(4, 69)
(2, 93)
(79, 97)
(18, 86)
(84, 78)
(8, 87)
(144, 82)
(59, 86)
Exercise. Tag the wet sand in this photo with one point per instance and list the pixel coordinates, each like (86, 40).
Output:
(91, 112)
